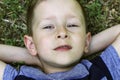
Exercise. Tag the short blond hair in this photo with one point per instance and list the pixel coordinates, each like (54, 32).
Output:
(30, 14)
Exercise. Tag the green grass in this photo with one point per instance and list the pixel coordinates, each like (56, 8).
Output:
(12, 21)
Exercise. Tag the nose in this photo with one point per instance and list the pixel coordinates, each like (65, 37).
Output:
(62, 34)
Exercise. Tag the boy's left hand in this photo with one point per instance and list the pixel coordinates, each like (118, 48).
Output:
(116, 44)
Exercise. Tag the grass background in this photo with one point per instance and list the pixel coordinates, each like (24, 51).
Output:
(101, 14)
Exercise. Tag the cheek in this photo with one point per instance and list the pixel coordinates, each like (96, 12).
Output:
(43, 43)
(79, 42)
(43, 40)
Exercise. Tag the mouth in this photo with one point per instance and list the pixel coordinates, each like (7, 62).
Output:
(63, 48)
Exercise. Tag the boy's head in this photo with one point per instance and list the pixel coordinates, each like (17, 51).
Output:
(58, 33)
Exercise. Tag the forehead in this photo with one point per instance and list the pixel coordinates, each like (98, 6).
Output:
(60, 9)
(60, 6)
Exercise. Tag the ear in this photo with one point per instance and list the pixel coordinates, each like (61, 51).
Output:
(88, 40)
(28, 41)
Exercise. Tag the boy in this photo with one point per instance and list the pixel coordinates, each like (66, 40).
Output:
(58, 40)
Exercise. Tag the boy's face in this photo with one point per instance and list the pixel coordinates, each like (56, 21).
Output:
(59, 35)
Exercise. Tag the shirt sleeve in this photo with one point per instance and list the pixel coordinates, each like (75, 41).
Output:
(112, 61)
(10, 73)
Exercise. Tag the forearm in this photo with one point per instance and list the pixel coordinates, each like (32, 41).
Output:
(16, 54)
(103, 39)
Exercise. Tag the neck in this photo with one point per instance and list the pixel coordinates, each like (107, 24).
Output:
(54, 70)
(48, 69)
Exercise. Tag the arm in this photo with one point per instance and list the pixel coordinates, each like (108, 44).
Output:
(103, 39)
(16, 54)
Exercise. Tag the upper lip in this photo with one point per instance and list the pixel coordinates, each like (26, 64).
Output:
(63, 46)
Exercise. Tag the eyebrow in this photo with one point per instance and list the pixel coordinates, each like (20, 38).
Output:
(71, 16)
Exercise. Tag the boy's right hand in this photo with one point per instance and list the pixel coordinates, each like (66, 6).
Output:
(2, 68)
(10, 54)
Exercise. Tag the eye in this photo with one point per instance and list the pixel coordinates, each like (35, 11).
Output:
(72, 25)
(49, 27)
